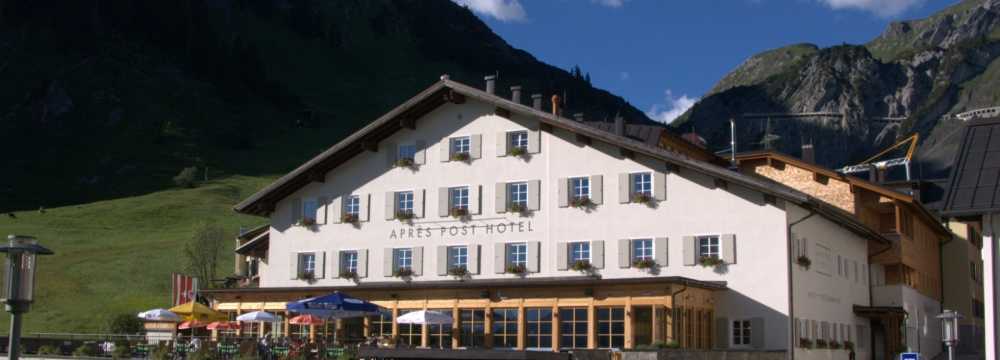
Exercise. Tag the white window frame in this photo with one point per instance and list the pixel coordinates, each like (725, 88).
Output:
(308, 213)
(460, 145)
(575, 191)
(349, 262)
(401, 256)
(718, 245)
(303, 265)
(352, 205)
(512, 197)
(400, 201)
(519, 257)
(458, 256)
(456, 200)
(648, 251)
(517, 139)
(746, 335)
(641, 187)
(403, 151)
(578, 248)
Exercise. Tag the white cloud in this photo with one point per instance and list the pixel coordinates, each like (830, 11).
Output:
(503, 10)
(671, 108)
(883, 8)
(610, 3)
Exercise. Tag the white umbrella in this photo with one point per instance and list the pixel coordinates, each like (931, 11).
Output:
(159, 315)
(257, 316)
(424, 317)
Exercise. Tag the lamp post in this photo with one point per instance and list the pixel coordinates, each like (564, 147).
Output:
(19, 283)
(949, 330)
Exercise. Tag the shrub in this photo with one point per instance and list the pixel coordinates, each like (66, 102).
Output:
(402, 272)
(126, 323)
(48, 350)
(123, 350)
(804, 261)
(644, 263)
(86, 350)
(160, 352)
(462, 156)
(203, 353)
(186, 178)
(641, 198)
(709, 261)
(517, 269)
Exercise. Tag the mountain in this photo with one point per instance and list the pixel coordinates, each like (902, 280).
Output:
(913, 78)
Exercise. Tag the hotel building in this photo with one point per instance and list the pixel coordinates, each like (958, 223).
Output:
(540, 232)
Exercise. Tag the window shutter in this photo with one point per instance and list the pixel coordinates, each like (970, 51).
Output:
(473, 259)
(501, 144)
(336, 209)
(476, 146)
(296, 213)
(721, 333)
(660, 186)
(474, 206)
(534, 256)
(757, 333)
(363, 263)
(387, 262)
(390, 205)
(364, 200)
(418, 260)
(562, 254)
(442, 260)
(624, 253)
(293, 267)
(533, 195)
(321, 209)
(660, 251)
(320, 264)
(443, 202)
(623, 186)
(335, 264)
(500, 198)
(690, 251)
(534, 142)
(391, 150)
(597, 253)
(729, 248)
(499, 258)
(420, 157)
(563, 192)
(445, 150)
(597, 189)
(418, 203)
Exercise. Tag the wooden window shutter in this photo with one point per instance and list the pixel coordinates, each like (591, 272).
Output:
(335, 263)
(443, 202)
(296, 211)
(660, 186)
(690, 251)
(390, 205)
(500, 197)
(597, 253)
(563, 192)
(293, 268)
(660, 251)
(624, 253)
(418, 203)
(623, 188)
(442, 260)
(420, 157)
(418, 260)
(363, 208)
(721, 333)
(476, 146)
(534, 142)
(391, 151)
(387, 262)
(501, 144)
(533, 194)
(322, 209)
(534, 256)
(499, 258)
(562, 254)
(729, 248)
(473, 259)
(445, 150)
(474, 202)
(335, 210)
(320, 264)
(363, 263)
(597, 189)
(757, 333)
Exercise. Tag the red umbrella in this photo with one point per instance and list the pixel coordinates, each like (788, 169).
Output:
(222, 325)
(306, 320)
(192, 324)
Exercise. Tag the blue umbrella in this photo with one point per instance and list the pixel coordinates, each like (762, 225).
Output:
(336, 306)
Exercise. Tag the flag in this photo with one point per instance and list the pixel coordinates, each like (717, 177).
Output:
(184, 288)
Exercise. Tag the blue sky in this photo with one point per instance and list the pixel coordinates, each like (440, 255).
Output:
(662, 55)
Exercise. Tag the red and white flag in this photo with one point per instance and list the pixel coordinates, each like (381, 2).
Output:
(185, 288)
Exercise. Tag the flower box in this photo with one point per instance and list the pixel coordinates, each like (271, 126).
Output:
(641, 198)
(582, 265)
(517, 151)
(518, 208)
(402, 272)
(462, 156)
(805, 343)
(307, 276)
(517, 269)
(307, 222)
(349, 275)
(710, 261)
(581, 202)
(833, 345)
(404, 215)
(848, 345)
(405, 162)
(458, 271)
(349, 218)
(821, 344)
(644, 263)
(804, 261)
(459, 212)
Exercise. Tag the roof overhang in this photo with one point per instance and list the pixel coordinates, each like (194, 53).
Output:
(879, 311)
(261, 241)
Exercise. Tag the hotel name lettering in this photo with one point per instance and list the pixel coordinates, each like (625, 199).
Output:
(419, 232)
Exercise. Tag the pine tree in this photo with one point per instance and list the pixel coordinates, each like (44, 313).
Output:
(587, 78)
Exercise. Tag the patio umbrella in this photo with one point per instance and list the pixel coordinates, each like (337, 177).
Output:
(257, 316)
(196, 311)
(306, 320)
(425, 317)
(333, 306)
(159, 315)
(222, 325)
(192, 324)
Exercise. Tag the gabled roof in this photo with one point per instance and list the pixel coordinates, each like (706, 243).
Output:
(652, 135)
(907, 199)
(974, 186)
(446, 90)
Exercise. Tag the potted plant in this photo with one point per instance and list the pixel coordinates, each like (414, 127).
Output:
(518, 208)
(820, 344)
(644, 263)
(804, 261)
(582, 266)
(710, 261)
(349, 275)
(405, 162)
(349, 218)
(581, 202)
(403, 272)
(458, 271)
(805, 343)
(460, 156)
(459, 212)
(402, 215)
(641, 198)
(517, 151)
(307, 221)
(834, 344)
(517, 269)
(308, 276)
(849, 345)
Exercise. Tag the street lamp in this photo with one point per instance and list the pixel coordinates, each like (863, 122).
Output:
(19, 283)
(949, 330)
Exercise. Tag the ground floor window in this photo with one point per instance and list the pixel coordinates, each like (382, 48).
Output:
(439, 336)
(741, 333)
(409, 333)
(611, 327)
(573, 328)
(538, 328)
(299, 331)
(642, 325)
(472, 323)
(504, 328)
(381, 325)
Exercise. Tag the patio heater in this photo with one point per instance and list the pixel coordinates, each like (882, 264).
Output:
(949, 330)
(18, 290)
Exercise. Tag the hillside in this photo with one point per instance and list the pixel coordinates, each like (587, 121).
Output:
(917, 73)
(104, 102)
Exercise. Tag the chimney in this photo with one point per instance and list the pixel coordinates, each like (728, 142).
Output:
(491, 84)
(619, 126)
(515, 94)
(578, 117)
(555, 105)
(536, 101)
(808, 153)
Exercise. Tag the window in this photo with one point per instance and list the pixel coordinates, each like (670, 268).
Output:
(352, 205)
(349, 261)
(472, 324)
(381, 324)
(407, 152)
(538, 328)
(741, 333)
(402, 259)
(611, 327)
(299, 332)
(580, 187)
(458, 257)
(518, 139)
(708, 246)
(518, 194)
(573, 328)
(642, 183)
(404, 202)
(579, 251)
(504, 328)
(459, 197)
(517, 254)
(439, 336)
(309, 209)
(307, 264)
(460, 145)
(642, 249)
(409, 333)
